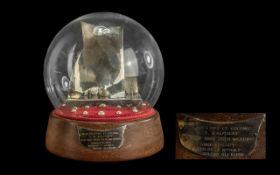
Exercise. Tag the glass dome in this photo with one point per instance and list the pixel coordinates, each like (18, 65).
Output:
(103, 59)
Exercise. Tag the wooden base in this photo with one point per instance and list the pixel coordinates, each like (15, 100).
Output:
(141, 138)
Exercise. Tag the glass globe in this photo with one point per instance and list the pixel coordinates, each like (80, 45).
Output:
(103, 60)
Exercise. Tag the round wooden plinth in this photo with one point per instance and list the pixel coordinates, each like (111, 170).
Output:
(140, 138)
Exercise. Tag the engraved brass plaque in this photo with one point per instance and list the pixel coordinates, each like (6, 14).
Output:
(222, 140)
(101, 139)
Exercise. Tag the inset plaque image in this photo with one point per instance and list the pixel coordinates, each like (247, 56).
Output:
(220, 136)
